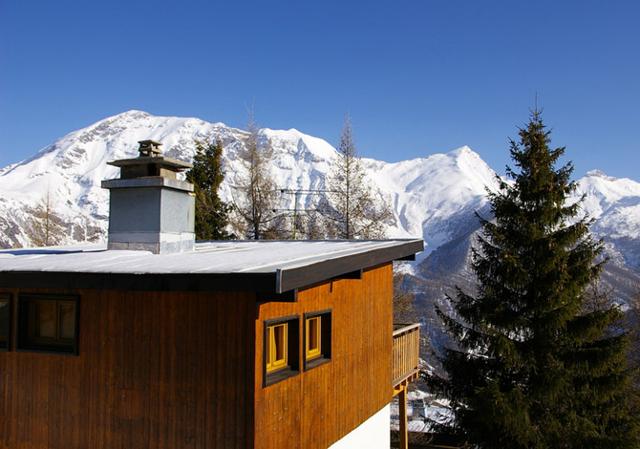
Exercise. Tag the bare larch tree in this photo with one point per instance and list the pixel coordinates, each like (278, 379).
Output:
(350, 208)
(46, 227)
(256, 195)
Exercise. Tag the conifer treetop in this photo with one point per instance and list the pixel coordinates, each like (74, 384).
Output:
(532, 365)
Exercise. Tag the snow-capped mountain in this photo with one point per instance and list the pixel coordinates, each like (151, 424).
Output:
(424, 192)
(434, 197)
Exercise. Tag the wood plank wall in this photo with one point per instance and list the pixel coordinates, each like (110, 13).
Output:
(155, 370)
(318, 407)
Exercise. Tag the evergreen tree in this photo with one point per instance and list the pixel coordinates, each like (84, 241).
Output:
(212, 214)
(535, 367)
(350, 208)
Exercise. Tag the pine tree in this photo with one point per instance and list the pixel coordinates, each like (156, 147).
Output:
(212, 214)
(350, 208)
(535, 367)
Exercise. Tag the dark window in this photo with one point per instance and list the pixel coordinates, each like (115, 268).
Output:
(48, 323)
(317, 338)
(5, 321)
(281, 337)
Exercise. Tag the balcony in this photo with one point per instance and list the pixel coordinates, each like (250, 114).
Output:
(406, 349)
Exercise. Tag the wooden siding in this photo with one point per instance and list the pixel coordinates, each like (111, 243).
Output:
(155, 370)
(318, 407)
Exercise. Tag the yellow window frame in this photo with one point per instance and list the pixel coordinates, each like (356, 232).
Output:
(278, 339)
(313, 334)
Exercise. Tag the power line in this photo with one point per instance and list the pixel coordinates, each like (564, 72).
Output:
(297, 193)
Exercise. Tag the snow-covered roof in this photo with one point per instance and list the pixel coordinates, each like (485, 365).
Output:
(289, 264)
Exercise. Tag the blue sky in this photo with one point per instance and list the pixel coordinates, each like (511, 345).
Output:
(416, 77)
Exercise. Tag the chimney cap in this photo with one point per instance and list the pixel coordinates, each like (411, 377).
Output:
(150, 155)
(149, 148)
(161, 161)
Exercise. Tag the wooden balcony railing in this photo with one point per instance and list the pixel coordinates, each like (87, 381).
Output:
(406, 349)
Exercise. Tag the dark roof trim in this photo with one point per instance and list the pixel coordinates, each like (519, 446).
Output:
(290, 296)
(293, 278)
(281, 281)
(139, 282)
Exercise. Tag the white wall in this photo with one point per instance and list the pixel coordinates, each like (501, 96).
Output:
(371, 434)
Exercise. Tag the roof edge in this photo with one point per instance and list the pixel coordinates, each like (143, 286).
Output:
(139, 282)
(278, 282)
(293, 278)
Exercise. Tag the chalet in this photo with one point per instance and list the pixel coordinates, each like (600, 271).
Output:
(155, 341)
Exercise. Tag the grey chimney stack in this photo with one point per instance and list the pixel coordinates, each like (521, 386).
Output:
(149, 208)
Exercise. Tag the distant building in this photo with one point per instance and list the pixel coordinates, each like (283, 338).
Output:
(155, 341)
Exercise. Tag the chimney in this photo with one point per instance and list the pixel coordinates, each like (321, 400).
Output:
(149, 208)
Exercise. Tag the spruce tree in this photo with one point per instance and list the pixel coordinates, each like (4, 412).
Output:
(535, 366)
(212, 214)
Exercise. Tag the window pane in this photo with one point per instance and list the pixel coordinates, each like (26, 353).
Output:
(4, 323)
(272, 345)
(282, 349)
(279, 332)
(47, 323)
(276, 356)
(313, 333)
(45, 319)
(317, 339)
(67, 316)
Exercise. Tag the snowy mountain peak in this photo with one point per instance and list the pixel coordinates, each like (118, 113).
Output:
(474, 167)
(423, 192)
(608, 188)
(598, 174)
(615, 204)
(131, 113)
(302, 145)
(464, 152)
(434, 197)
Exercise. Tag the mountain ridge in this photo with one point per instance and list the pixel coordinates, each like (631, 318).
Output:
(434, 197)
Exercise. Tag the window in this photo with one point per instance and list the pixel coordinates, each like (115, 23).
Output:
(314, 338)
(277, 357)
(317, 338)
(280, 349)
(5, 322)
(48, 323)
